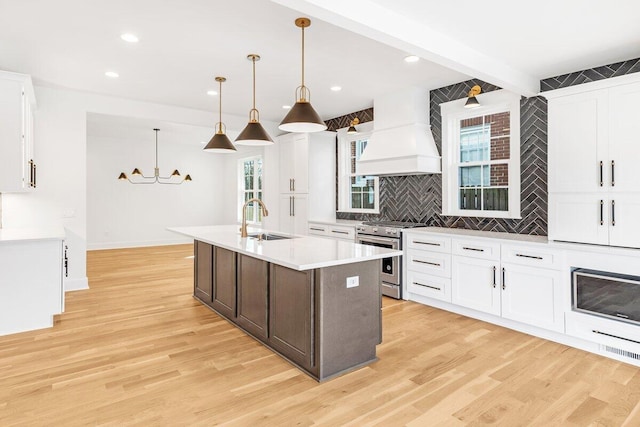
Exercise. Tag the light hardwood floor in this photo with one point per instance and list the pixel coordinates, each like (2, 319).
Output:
(137, 349)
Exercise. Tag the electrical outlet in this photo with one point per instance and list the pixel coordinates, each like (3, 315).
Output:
(353, 281)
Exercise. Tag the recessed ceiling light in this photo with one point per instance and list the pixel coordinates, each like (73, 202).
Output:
(336, 88)
(212, 92)
(131, 38)
(112, 74)
(286, 107)
(411, 58)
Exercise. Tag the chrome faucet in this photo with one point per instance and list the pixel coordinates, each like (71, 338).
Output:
(265, 212)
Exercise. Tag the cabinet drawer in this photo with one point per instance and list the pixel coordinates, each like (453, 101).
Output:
(435, 263)
(317, 229)
(428, 243)
(429, 286)
(527, 255)
(476, 248)
(342, 232)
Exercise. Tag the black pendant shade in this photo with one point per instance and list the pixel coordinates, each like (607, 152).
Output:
(254, 134)
(220, 143)
(302, 118)
(471, 102)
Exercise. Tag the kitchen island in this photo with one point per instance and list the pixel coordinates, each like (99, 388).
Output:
(315, 301)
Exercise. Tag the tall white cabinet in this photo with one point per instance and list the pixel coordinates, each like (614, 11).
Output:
(594, 149)
(306, 179)
(17, 107)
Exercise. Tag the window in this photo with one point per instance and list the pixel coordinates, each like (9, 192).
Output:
(481, 157)
(250, 186)
(356, 193)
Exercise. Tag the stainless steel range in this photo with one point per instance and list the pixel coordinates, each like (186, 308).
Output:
(386, 234)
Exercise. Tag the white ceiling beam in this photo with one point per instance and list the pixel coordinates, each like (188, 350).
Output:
(368, 18)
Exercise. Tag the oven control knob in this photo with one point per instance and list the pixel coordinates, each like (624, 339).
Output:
(391, 231)
(375, 229)
(388, 268)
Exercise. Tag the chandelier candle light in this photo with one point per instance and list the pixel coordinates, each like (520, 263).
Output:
(302, 117)
(156, 178)
(254, 133)
(220, 143)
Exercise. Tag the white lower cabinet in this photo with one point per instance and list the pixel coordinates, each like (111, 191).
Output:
(532, 295)
(334, 231)
(474, 284)
(519, 281)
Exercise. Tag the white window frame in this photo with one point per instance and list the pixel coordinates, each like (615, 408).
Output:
(452, 113)
(242, 191)
(344, 170)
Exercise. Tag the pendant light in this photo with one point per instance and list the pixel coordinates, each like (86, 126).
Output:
(156, 178)
(302, 117)
(220, 143)
(254, 133)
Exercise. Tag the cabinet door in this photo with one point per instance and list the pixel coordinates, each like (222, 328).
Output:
(579, 218)
(624, 212)
(624, 139)
(12, 167)
(290, 314)
(203, 271)
(253, 281)
(578, 142)
(300, 213)
(474, 284)
(532, 296)
(294, 160)
(224, 282)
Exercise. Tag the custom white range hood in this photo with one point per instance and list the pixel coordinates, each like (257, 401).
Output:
(401, 143)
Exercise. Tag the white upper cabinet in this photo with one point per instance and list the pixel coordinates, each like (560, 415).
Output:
(17, 106)
(294, 160)
(593, 160)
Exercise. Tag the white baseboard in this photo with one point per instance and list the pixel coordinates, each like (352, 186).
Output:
(122, 245)
(76, 284)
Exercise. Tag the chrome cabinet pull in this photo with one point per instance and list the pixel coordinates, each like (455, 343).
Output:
(504, 285)
(427, 262)
(294, 184)
(494, 276)
(613, 173)
(613, 213)
(293, 198)
(339, 232)
(427, 286)
(601, 179)
(35, 175)
(528, 256)
(290, 205)
(472, 249)
(316, 229)
(426, 243)
(601, 212)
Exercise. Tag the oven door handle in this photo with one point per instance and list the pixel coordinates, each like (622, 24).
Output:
(395, 243)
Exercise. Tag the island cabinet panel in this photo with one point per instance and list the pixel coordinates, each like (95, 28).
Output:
(348, 318)
(291, 315)
(253, 295)
(203, 283)
(224, 282)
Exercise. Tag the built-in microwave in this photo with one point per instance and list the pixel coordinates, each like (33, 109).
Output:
(601, 293)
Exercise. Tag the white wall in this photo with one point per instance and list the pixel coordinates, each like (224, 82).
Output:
(61, 155)
(120, 214)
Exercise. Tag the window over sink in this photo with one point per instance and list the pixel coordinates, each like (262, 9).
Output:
(250, 186)
(481, 157)
(356, 192)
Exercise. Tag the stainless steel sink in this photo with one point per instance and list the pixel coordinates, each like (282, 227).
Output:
(267, 236)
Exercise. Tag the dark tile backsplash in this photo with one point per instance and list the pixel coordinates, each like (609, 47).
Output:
(418, 198)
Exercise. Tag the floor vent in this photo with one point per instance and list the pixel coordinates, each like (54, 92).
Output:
(620, 352)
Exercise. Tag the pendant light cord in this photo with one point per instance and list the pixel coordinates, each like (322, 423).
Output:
(302, 56)
(220, 108)
(156, 147)
(253, 60)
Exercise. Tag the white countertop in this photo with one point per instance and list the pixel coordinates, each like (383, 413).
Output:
(485, 234)
(20, 234)
(298, 253)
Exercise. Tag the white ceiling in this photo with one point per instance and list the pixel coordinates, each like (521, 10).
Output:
(184, 44)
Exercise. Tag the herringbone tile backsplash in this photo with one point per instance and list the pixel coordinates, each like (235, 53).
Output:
(418, 198)
(591, 75)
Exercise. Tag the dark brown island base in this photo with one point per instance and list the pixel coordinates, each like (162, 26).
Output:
(313, 318)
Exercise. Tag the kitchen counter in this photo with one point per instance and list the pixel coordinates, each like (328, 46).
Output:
(462, 232)
(21, 234)
(315, 301)
(298, 253)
